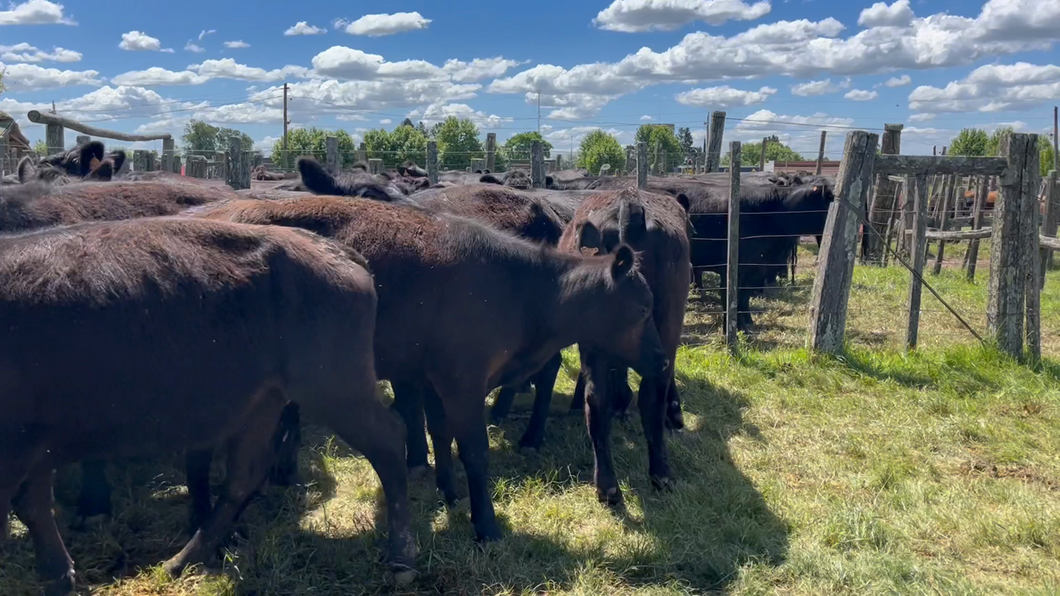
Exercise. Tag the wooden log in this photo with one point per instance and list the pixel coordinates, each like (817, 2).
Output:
(432, 161)
(918, 186)
(375, 165)
(717, 131)
(642, 165)
(237, 174)
(947, 197)
(331, 154)
(1050, 221)
(835, 267)
(1006, 292)
(820, 153)
(38, 117)
(732, 267)
(957, 236)
(1049, 242)
(977, 223)
(915, 165)
(537, 164)
(54, 138)
(491, 151)
(884, 195)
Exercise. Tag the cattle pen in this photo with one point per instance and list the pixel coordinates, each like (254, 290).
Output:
(889, 422)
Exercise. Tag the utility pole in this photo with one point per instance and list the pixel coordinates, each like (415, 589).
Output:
(1056, 142)
(538, 111)
(286, 158)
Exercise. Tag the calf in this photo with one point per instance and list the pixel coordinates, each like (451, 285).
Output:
(145, 336)
(464, 308)
(656, 227)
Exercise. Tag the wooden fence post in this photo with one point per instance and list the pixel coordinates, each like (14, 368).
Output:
(54, 138)
(82, 139)
(918, 250)
(1029, 226)
(175, 163)
(884, 199)
(491, 151)
(657, 163)
(139, 165)
(944, 215)
(820, 154)
(167, 155)
(537, 164)
(478, 165)
(762, 158)
(717, 131)
(835, 267)
(237, 175)
(732, 267)
(331, 146)
(642, 165)
(972, 258)
(432, 161)
(1050, 221)
(362, 154)
(149, 161)
(375, 165)
(1007, 288)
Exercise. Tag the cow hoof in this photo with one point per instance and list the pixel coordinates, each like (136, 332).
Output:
(64, 586)
(662, 483)
(452, 500)
(487, 535)
(531, 442)
(404, 576)
(92, 522)
(419, 472)
(611, 496)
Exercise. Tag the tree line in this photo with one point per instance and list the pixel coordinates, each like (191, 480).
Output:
(976, 142)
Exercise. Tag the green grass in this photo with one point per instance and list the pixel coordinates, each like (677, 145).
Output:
(874, 473)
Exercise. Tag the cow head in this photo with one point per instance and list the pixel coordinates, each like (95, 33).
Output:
(356, 184)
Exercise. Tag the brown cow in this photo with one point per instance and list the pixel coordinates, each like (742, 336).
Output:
(464, 308)
(153, 335)
(656, 226)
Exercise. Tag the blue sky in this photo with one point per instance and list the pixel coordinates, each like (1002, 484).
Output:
(786, 67)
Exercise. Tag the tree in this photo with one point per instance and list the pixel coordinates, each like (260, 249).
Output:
(1045, 148)
(993, 144)
(201, 138)
(313, 142)
(223, 134)
(408, 122)
(423, 130)
(405, 143)
(598, 148)
(518, 146)
(970, 141)
(669, 147)
(688, 145)
(751, 153)
(458, 143)
(41, 148)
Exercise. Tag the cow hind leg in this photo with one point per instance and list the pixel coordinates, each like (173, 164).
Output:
(286, 442)
(94, 498)
(33, 506)
(249, 459)
(652, 402)
(598, 418)
(577, 402)
(544, 382)
(503, 404)
(675, 419)
(408, 402)
(197, 471)
(442, 436)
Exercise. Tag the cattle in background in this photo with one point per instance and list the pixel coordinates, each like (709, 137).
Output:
(90, 164)
(465, 308)
(83, 309)
(656, 227)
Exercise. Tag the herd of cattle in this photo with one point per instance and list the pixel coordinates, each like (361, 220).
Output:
(153, 313)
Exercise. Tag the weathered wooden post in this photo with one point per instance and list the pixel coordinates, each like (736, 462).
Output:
(642, 165)
(947, 199)
(1029, 225)
(972, 258)
(537, 164)
(917, 187)
(762, 158)
(732, 266)
(1050, 221)
(176, 164)
(1006, 293)
(237, 175)
(717, 131)
(167, 155)
(820, 153)
(375, 165)
(605, 170)
(478, 165)
(362, 154)
(139, 160)
(432, 161)
(149, 161)
(657, 163)
(883, 202)
(835, 266)
(82, 139)
(54, 138)
(331, 154)
(491, 151)
(559, 163)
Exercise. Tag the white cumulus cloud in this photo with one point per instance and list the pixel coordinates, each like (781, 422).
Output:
(898, 81)
(632, 16)
(304, 28)
(35, 12)
(24, 52)
(378, 25)
(724, 96)
(26, 77)
(881, 15)
(861, 95)
(193, 47)
(992, 88)
(237, 44)
(138, 41)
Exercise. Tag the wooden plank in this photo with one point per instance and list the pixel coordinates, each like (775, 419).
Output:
(919, 188)
(491, 151)
(947, 197)
(820, 153)
(884, 198)
(537, 164)
(1050, 221)
(916, 165)
(1049, 242)
(956, 236)
(1006, 291)
(717, 131)
(642, 165)
(432, 161)
(835, 267)
(732, 267)
(39, 117)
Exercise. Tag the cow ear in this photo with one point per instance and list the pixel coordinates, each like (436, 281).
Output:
(316, 178)
(682, 199)
(90, 152)
(489, 179)
(27, 170)
(118, 157)
(631, 218)
(589, 238)
(622, 263)
(102, 172)
(548, 181)
(487, 171)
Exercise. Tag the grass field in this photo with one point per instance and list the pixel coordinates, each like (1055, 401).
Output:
(875, 473)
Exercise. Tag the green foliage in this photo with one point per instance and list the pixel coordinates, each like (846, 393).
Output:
(598, 148)
(1045, 148)
(200, 137)
(970, 141)
(993, 144)
(751, 153)
(688, 145)
(41, 148)
(404, 143)
(458, 143)
(518, 147)
(670, 150)
(313, 142)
